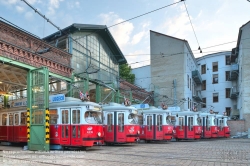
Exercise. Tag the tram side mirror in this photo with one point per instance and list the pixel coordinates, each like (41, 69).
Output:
(176, 115)
(207, 117)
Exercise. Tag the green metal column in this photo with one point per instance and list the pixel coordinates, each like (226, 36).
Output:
(117, 95)
(98, 93)
(5, 101)
(38, 109)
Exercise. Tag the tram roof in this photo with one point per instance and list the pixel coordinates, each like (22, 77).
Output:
(116, 107)
(153, 109)
(185, 113)
(71, 101)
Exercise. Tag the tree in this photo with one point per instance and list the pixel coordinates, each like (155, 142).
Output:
(125, 73)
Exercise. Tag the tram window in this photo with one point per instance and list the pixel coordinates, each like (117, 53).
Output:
(16, 119)
(207, 124)
(10, 119)
(4, 119)
(181, 122)
(190, 123)
(133, 118)
(215, 122)
(110, 122)
(149, 123)
(23, 118)
(76, 116)
(93, 117)
(221, 124)
(53, 116)
(199, 121)
(120, 122)
(65, 116)
(159, 122)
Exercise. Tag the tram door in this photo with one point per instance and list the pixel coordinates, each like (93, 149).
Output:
(158, 131)
(75, 126)
(189, 127)
(10, 128)
(65, 126)
(120, 135)
(16, 128)
(149, 127)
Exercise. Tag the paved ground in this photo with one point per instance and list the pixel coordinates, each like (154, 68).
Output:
(224, 152)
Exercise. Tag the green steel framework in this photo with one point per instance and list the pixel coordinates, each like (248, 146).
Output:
(38, 109)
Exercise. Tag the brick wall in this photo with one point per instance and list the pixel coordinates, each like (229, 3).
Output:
(236, 126)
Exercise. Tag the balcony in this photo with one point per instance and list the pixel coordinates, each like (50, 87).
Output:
(197, 96)
(234, 72)
(196, 77)
(234, 92)
(234, 55)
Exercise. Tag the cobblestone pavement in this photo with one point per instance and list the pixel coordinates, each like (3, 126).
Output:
(224, 152)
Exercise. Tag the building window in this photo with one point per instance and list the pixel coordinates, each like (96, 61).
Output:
(203, 85)
(227, 59)
(228, 111)
(190, 84)
(188, 102)
(203, 69)
(215, 79)
(188, 80)
(204, 102)
(228, 92)
(215, 97)
(227, 75)
(215, 66)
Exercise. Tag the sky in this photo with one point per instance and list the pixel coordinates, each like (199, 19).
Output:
(214, 21)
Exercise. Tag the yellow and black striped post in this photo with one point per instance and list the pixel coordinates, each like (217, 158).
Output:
(47, 126)
(28, 124)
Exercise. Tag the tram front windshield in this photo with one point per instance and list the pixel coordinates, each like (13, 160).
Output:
(93, 117)
(132, 118)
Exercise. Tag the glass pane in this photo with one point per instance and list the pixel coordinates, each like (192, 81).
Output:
(65, 117)
(16, 119)
(23, 118)
(149, 123)
(53, 116)
(10, 119)
(120, 122)
(159, 122)
(110, 122)
(4, 119)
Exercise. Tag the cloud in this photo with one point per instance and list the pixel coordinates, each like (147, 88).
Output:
(120, 32)
(19, 9)
(138, 37)
(9, 2)
(53, 4)
(29, 15)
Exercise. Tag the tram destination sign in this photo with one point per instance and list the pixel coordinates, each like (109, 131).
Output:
(52, 99)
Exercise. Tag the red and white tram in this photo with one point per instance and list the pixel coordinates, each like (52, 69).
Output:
(156, 124)
(209, 129)
(120, 124)
(188, 125)
(72, 123)
(223, 129)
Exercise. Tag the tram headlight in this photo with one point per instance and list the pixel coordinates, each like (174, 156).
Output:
(138, 132)
(99, 134)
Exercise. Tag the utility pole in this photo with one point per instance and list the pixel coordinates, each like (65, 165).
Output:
(175, 93)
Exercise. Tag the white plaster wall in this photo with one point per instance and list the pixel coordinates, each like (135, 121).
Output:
(143, 77)
(220, 86)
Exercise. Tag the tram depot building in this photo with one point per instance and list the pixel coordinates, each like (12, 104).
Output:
(86, 58)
